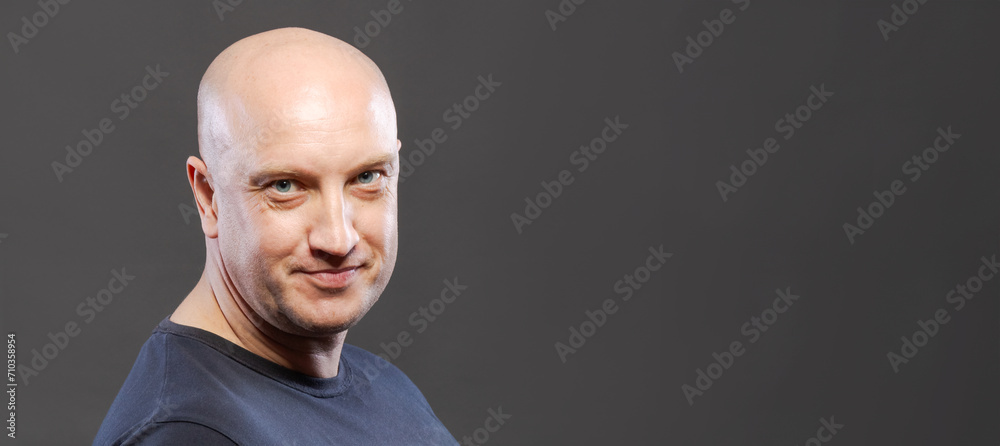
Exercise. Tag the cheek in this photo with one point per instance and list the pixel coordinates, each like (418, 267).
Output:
(256, 232)
(381, 234)
(378, 226)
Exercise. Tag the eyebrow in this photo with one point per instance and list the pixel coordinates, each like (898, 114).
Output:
(377, 161)
(270, 172)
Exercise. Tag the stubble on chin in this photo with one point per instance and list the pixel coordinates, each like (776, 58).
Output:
(298, 314)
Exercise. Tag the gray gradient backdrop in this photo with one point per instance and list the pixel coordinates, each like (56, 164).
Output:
(126, 205)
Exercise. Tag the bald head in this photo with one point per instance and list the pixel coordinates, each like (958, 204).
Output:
(273, 82)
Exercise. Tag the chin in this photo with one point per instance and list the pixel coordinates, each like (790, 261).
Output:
(327, 317)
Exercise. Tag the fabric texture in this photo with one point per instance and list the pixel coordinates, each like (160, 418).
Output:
(190, 386)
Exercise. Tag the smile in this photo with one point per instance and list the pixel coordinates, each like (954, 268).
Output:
(333, 278)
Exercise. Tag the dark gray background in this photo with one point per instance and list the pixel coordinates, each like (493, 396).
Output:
(656, 184)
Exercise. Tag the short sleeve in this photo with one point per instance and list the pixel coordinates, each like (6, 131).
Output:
(178, 432)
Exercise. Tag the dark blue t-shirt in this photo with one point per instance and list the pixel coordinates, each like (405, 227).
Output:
(190, 386)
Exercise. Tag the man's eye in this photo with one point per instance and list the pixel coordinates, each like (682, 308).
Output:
(282, 186)
(369, 176)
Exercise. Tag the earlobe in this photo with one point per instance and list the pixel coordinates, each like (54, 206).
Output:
(204, 196)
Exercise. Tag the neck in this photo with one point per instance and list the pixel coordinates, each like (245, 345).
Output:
(215, 306)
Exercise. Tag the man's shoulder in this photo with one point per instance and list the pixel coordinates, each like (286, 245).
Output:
(172, 379)
(374, 375)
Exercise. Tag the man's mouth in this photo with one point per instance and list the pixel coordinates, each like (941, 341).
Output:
(333, 278)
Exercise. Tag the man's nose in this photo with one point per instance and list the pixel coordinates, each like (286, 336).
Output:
(334, 233)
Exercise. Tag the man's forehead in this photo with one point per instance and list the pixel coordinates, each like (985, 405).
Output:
(315, 108)
(316, 125)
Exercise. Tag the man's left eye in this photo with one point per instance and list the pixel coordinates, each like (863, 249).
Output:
(282, 186)
(368, 177)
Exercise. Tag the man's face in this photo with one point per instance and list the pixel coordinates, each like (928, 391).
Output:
(307, 219)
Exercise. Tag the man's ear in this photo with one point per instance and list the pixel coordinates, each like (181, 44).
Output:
(399, 145)
(204, 195)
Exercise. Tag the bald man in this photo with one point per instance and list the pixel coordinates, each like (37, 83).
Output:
(296, 189)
